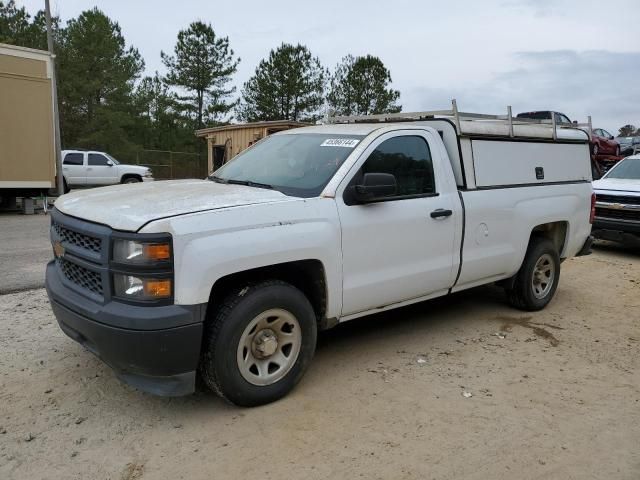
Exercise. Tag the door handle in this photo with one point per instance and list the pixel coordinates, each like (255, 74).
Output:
(441, 213)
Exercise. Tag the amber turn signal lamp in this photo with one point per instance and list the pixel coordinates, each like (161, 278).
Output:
(157, 288)
(157, 251)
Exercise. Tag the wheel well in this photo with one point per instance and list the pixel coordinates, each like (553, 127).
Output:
(130, 175)
(554, 231)
(306, 275)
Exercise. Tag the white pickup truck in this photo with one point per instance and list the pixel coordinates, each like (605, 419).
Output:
(232, 277)
(618, 203)
(82, 168)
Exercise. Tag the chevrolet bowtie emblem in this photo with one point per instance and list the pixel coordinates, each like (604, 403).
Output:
(616, 206)
(58, 249)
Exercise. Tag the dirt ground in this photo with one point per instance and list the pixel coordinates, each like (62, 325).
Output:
(462, 387)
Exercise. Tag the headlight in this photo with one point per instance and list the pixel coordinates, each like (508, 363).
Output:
(137, 288)
(132, 251)
(142, 268)
(148, 173)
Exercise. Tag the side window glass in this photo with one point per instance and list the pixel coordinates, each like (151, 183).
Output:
(96, 159)
(73, 159)
(408, 158)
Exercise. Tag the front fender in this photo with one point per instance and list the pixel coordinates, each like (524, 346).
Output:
(211, 245)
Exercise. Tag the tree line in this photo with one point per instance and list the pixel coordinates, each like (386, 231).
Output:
(629, 131)
(107, 103)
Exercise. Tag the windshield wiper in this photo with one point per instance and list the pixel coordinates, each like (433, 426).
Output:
(249, 183)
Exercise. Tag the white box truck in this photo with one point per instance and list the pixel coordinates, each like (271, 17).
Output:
(232, 277)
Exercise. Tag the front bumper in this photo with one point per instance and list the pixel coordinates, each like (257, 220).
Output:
(148, 179)
(161, 361)
(616, 230)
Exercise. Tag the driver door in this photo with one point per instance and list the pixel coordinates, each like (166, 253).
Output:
(402, 247)
(101, 170)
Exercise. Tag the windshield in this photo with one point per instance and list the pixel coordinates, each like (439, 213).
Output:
(299, 165)
(112, 159)
(628, 169)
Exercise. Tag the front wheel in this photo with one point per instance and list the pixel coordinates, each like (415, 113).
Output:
(131, 180)
(596, 150)
(537, 280)
(259, 343)
(617, 151)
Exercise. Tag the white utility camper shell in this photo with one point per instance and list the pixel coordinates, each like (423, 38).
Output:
(497, 151)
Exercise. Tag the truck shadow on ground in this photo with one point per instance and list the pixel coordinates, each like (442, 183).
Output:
(623, 251)
(451, 310)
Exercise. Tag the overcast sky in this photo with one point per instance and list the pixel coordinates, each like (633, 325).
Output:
(580, 57)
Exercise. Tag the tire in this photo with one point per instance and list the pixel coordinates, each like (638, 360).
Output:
(238, 360)
(131, 180)
(595, 149)
(65, 187)
(617, 154)
(529, 291)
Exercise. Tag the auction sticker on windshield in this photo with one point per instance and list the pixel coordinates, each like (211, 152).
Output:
(340, 142)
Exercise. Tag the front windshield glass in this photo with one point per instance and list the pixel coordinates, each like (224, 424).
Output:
(112, 159)
(299, 165)
(629, 169)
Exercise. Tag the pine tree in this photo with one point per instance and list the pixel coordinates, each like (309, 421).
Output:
(289, 85)
(18, 28)
(202, 66)
(360, 86)
(96, 81)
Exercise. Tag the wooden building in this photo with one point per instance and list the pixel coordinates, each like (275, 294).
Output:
(226, 141)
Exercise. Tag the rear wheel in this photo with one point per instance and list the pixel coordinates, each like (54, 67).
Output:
(259, 343)
(537, 280)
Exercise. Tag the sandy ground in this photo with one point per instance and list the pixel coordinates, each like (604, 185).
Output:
(554, 395)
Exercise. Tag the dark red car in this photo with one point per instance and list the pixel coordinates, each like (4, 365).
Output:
(603, 143)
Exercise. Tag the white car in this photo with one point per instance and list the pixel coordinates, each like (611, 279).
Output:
(82, 168)
(232, 277)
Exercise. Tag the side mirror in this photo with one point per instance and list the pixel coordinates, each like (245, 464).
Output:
(611, 137)
(110, 163)
(375, 186)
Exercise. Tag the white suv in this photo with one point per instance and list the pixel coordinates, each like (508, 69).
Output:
(89, 169)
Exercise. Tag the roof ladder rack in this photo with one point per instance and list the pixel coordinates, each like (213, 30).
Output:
(458, 117)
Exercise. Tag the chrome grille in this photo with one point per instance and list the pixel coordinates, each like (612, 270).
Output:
(633, 215)
(81, 276)
(78, 239)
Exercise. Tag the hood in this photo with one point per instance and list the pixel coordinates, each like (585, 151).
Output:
(625, 185)
(129, 207)
(134, 168)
